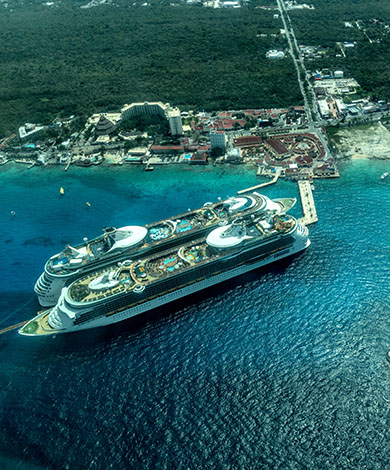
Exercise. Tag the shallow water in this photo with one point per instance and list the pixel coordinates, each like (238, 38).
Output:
(283, 368)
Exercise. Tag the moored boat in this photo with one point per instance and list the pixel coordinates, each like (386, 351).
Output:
(126, 242)
(125, 289)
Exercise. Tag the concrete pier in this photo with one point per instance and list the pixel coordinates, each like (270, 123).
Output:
(258, 186)
(308, 205)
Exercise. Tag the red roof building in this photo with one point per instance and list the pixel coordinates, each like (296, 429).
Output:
(167, 149)
(277, 146)
(198, 158)
(247, 141)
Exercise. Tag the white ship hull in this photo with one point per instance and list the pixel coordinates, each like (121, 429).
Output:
(48, 288)
(299, 245)
(50, 284)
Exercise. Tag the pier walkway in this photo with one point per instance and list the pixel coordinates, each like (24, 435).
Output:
(258, 186)
(308, 205)
(13, 327)
(68, 165)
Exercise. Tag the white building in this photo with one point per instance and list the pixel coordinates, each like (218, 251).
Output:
(218, 140)
(161, 109)
(231, 4)
(233, 156)
(175, 123)
(340, 106)
(274, 54)
(130, 110)
(324, 108)
(338, 74)
(43, 157)
(29, 130)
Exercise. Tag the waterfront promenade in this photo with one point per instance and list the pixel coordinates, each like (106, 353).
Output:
(308, 205)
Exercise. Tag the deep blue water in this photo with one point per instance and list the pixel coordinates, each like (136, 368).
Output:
(283, 368)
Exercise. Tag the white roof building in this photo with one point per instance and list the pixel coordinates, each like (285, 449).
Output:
(29, 130)
(324, 108)
(274, 54)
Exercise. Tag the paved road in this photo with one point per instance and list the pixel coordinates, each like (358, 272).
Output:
(314, 122)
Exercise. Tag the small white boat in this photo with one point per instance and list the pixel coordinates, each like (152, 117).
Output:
(385, 175)
(312, 187)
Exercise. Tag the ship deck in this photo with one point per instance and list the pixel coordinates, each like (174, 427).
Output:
(134, 276)
(38, 326)
(159, 232)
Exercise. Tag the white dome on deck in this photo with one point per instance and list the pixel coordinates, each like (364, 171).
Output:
(128, 236)
(226, 237)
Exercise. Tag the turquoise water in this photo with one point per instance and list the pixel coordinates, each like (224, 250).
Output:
(283, 368)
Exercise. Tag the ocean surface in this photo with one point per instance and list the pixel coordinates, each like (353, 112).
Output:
(282, 368)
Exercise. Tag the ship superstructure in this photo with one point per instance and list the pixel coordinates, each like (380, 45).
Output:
(124, 289)
(135, 241)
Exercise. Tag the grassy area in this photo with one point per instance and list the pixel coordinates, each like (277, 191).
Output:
(369, 61)
(67, 60)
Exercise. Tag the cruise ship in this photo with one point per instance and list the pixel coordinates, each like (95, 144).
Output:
(134, 241)
(124, 289)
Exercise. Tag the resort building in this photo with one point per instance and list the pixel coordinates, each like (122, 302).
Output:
(156, 108)
(29, 130)
(130, 110)
(218, 140)
(175, 123)
(104, 126)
